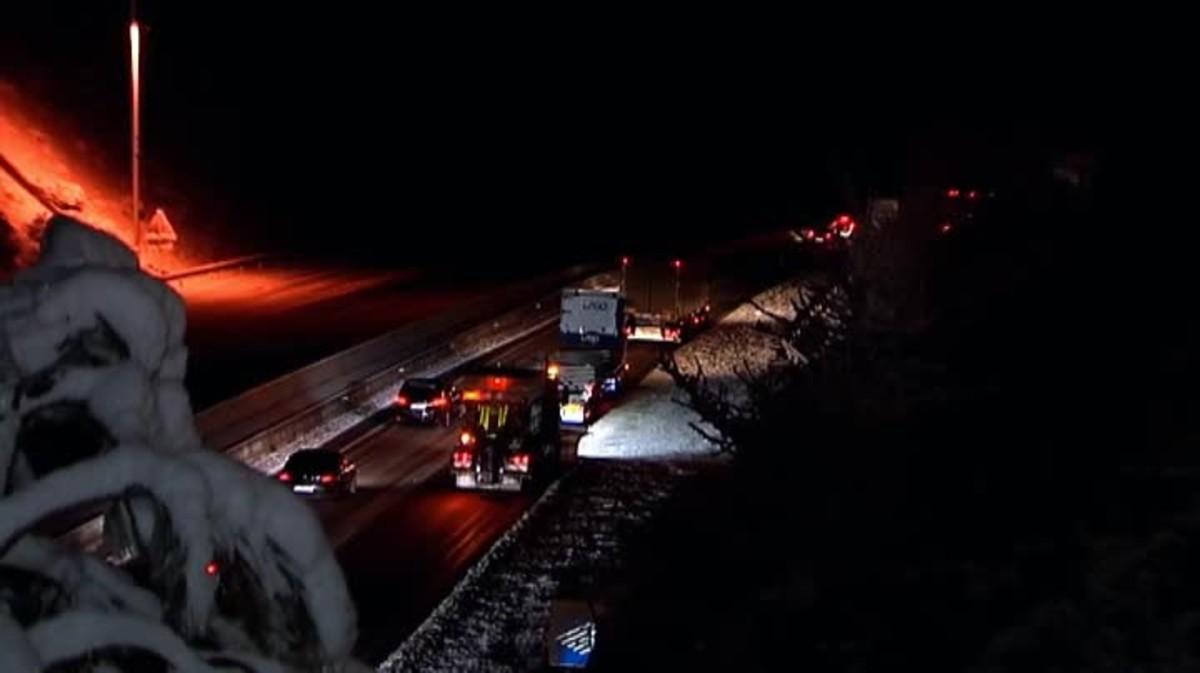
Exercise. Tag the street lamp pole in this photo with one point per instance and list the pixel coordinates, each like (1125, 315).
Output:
(135, 62)
(678, 264)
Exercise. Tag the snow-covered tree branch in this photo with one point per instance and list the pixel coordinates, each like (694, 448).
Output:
(225, 570)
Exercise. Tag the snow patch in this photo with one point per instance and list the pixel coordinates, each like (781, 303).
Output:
(650, 422)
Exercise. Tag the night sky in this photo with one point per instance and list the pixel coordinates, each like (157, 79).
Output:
(293, 128)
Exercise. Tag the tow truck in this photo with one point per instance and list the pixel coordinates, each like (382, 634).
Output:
(509, 435)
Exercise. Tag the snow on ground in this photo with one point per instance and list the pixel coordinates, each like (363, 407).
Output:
(495, 620)
(650, 422)
(746, 342)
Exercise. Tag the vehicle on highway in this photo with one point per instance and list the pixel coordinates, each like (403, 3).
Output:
(652, 327)
(833, 236)
(695, 322)
(591, 364)
(319, 472)
(510, 430)
(425, 401)
(961, 208)
(586, 377)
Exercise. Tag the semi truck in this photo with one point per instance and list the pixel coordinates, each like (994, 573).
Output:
(590, 363)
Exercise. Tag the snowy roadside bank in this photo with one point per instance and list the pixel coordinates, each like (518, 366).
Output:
(581, 529)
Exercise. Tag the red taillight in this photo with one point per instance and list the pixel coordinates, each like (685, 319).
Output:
(439, 402)
(462, 459)
(212, 569)
(285, 476)
(328, 478)
(945, 228)
(518, 462)
(402, 401)
(808, 233)
(678, 264)
(466, 439)
(952, 193)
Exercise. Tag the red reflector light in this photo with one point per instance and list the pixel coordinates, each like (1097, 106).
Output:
(212, 569)
(328, 479)
(462, 459)
(518, 462)
(285, 476)
(402, 401)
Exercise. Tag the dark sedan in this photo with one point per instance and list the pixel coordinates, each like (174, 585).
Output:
(425, 401)
(319, 472)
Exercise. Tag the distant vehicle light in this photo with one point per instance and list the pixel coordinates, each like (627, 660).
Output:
(462, 460)
(466, 438)
(402, 401)
(328, 478)
(212, 569)
(946, 228)
(953, 193)
(625, 261)
(972, 194)
(678, 264)
(285, 477)
(808, 233)
(472, 395)
(552, 370)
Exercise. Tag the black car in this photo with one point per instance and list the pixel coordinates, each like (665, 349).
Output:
(319, 472)
(425, 401)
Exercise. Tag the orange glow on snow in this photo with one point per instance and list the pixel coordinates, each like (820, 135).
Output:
(45, 169)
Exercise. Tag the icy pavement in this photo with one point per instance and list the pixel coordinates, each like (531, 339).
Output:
(649, 423)
(495, 619)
